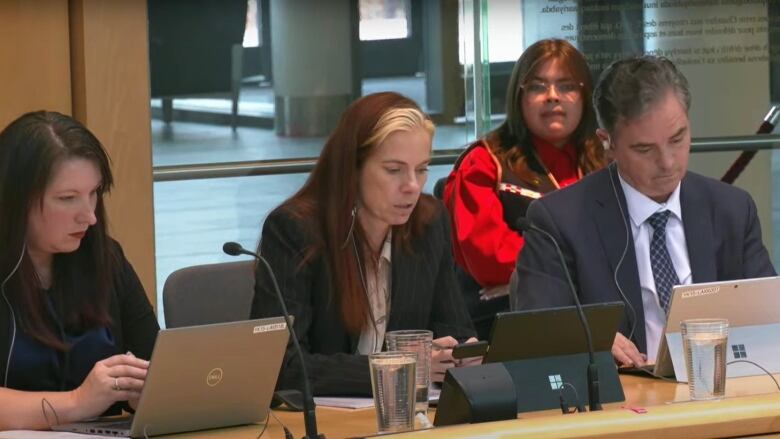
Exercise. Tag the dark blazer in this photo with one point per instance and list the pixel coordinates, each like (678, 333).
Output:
(722, 234)
(424, 295)
(133, 322)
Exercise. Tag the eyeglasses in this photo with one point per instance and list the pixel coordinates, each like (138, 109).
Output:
(566, 89)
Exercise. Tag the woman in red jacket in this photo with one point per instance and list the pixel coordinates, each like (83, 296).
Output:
(546, 142)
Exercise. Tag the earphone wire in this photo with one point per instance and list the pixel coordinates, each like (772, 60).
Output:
(351, 228)
(365, 290)
(577, 403)
(351, 236)
(619, 264)
(768, 373)
(11, 310)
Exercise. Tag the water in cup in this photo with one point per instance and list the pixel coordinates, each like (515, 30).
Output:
(419, 342)
(393, 384)
(421, 398)
(704, 344)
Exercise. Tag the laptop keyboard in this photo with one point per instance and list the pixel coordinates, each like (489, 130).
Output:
(110, 428)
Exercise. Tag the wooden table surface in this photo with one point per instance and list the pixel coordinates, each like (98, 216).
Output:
(751, 407)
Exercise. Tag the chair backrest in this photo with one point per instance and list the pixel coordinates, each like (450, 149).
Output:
(212, 293)
(438, 188)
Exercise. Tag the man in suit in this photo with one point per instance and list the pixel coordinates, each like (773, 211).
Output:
(643, 224)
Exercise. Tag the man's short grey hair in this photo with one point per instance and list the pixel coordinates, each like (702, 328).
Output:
(627, 88)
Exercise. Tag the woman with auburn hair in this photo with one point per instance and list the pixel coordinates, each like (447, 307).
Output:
(76, 327)
(547, 142)
(359, 251)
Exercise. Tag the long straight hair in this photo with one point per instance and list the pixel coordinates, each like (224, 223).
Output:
(32, 148)
(331, 192)
(512, 139)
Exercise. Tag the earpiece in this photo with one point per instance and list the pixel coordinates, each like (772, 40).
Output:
(605, 138)
(353, 212)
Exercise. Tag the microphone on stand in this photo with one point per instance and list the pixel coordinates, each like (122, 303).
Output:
(766, 127)
(309, 417)
(594, 401)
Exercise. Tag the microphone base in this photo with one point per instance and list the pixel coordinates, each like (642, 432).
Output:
(310, 423)
(594, 401)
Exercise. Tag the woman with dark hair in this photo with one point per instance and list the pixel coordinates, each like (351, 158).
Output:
(546, 142)
(75, 323)
(359, 251)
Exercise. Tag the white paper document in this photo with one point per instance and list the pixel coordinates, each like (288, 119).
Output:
(362, 403)
(344, 402)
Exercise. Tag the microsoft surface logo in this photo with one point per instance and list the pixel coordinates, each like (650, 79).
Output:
(739, 351)
(555, 381)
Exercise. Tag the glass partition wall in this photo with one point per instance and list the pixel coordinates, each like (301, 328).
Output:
(289, 69)
(257, 80)
(730, 54)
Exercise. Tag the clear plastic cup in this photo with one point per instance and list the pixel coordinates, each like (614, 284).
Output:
(704, 344)
(392, 382)
(418, 341)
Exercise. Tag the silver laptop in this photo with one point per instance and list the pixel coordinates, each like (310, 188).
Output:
(752, 307)
(203, 377)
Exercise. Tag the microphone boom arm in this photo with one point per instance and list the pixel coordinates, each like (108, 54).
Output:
(309, 414)
(594, 400)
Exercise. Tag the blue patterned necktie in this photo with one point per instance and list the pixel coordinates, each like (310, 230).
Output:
(663, 269)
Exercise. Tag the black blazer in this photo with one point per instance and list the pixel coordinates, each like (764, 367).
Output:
(133, 322)
(722, 234)
(424, 295)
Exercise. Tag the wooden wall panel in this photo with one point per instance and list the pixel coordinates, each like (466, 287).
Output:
(35, 54)
(111, 96)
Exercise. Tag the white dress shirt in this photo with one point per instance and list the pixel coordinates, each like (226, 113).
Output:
(377, 287)
(640, 209)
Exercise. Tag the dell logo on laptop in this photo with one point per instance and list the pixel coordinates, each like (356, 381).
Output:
(214, 377)
(555, 382)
